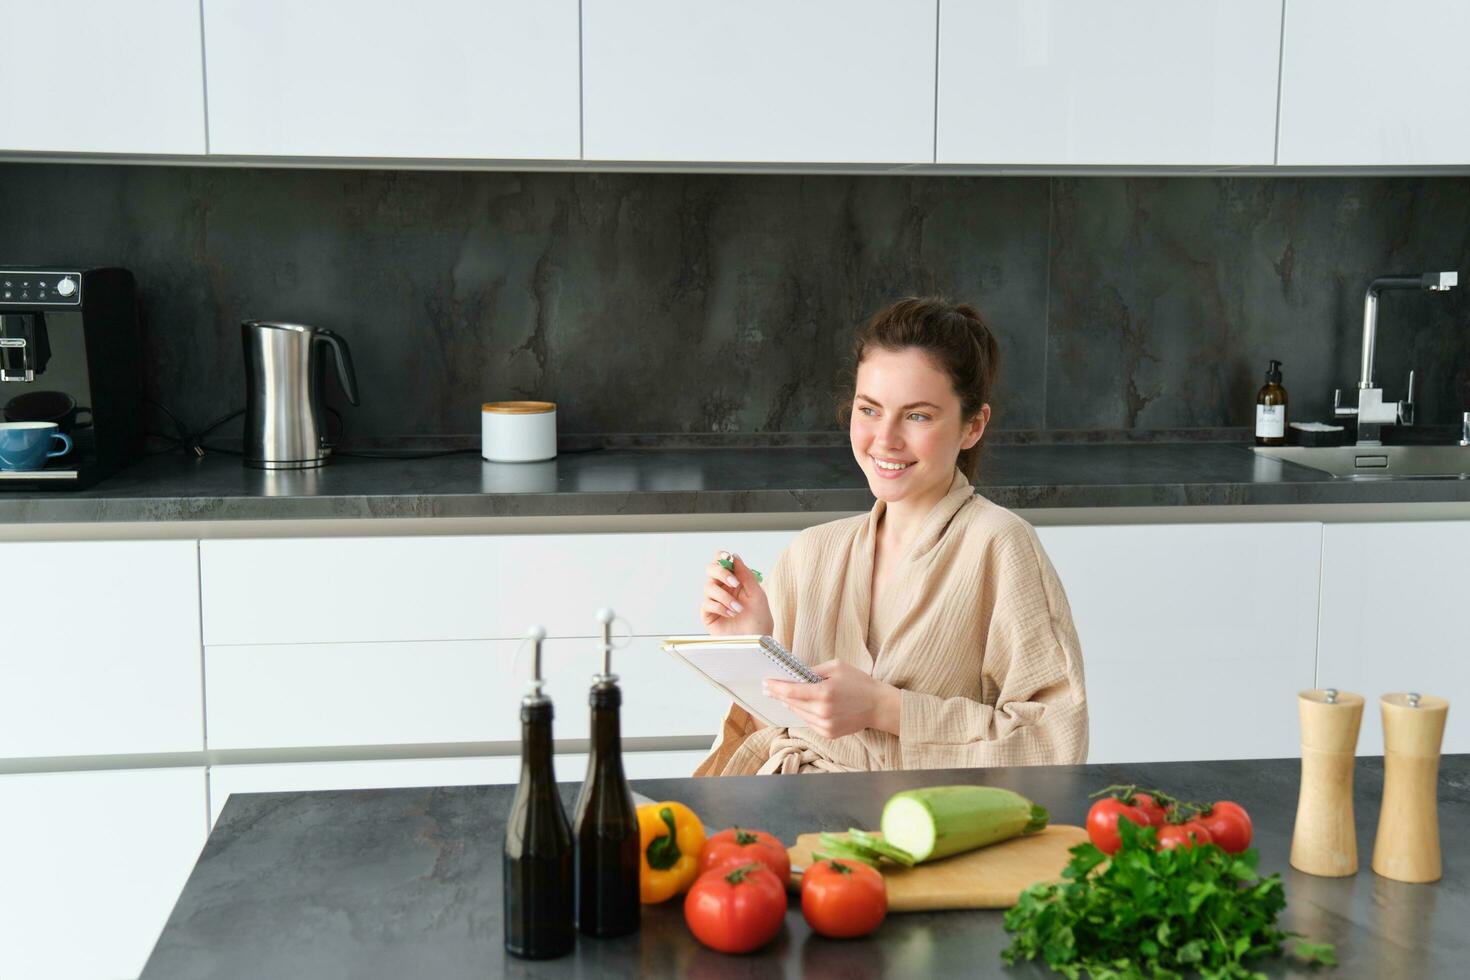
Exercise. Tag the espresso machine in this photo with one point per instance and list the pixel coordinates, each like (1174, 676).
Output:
(70, 353)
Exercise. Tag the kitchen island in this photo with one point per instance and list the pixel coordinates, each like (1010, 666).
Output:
(396, 883)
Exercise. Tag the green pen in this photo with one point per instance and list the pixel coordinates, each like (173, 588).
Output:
(729, 565)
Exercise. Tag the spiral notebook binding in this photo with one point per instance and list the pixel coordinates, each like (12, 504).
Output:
(783, 658)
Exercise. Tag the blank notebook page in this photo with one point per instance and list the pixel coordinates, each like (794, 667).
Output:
(737, 665)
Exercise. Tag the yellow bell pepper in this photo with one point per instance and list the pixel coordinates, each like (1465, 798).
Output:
(670, 839)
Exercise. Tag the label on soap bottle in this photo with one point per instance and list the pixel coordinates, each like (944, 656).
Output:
(1270, 421)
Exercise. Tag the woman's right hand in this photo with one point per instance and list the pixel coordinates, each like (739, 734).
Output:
(733, 601)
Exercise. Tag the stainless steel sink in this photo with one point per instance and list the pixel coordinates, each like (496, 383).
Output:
(1377, 462)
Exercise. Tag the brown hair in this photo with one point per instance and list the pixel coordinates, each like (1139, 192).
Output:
(955, 338)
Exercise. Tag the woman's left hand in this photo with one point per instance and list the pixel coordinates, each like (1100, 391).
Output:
(847, 700)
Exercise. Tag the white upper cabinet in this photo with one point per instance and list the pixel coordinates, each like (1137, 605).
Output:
(1142, 82)
(378, 78)
(1367, 83)
(759, 80)
(1392, 619)
(100, 76)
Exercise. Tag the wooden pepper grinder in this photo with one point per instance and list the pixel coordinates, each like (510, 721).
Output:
(1407, 846)
(1324, 840)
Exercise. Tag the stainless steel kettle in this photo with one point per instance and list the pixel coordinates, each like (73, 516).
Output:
(285, 418)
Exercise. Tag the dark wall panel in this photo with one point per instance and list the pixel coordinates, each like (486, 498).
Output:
(725, 303)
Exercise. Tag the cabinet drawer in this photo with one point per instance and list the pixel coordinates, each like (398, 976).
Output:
(337, 590)
(101, 649)
(1195, 638)
(1392, 601)
(280, 696)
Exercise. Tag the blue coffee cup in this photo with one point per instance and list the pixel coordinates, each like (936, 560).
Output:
(26, 446)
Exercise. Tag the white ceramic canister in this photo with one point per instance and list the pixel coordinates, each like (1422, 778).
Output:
(518, 432)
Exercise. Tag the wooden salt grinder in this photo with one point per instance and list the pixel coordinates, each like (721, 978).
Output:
(1407, 845)
(1324, 840)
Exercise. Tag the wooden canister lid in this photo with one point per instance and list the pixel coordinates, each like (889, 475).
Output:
(518, 408)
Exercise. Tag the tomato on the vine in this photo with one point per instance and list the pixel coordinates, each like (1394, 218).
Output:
(842, 899)
(738, 910)
(1150, 808)
(1186, 834)
(1229, 825)
(1102, 822)
(736, 846)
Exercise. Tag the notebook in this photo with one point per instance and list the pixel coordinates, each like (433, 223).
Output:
(738, 664)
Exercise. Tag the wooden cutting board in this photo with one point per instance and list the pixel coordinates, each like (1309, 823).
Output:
(989, 878)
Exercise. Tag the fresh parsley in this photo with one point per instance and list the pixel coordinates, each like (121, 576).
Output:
(1154, 913)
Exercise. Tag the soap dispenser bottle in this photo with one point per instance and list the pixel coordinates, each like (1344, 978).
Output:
(606, 826)
(537, 871)
(1271, 409)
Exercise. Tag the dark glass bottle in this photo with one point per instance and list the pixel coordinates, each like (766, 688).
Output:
(1271, 409)
(538, 869)
(606, 827)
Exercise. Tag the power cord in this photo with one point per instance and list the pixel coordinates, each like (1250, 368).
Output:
(194, 441)
(435, 455)
(187, 440)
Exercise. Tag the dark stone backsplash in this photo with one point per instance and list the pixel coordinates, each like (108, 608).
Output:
(648, 303)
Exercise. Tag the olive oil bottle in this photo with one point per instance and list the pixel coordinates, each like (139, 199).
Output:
(1271, 409)
(606, 827)
(538, 869)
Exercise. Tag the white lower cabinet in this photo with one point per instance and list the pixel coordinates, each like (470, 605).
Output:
(1392, 619)
(91, 864)
(116, 674)
(460, 587)
(327, 694)
(399, 773)
(1195, 638)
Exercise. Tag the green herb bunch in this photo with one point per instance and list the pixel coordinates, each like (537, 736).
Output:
(1153, 913)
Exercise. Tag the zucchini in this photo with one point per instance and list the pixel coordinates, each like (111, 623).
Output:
(881, 846)
(843, 854)
(939, 821)
(835, 845)
(848, 845)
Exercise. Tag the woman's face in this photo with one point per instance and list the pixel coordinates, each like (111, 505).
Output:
(906, 429)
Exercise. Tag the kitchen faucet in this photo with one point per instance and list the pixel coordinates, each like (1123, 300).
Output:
(1372, 412)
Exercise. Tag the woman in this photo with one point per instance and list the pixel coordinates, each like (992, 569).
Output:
(942, 632)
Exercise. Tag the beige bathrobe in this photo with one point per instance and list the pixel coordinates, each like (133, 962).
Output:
(977, 636)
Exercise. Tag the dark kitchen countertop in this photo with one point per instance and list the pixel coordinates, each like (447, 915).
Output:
(640, 481)
(406, 882)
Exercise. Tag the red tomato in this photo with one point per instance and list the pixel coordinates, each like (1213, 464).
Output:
(736, 911)
(842, 899)
(1102, 822)
(1186, 834)
(1229, 825)
(734, 847)
(1151, 808)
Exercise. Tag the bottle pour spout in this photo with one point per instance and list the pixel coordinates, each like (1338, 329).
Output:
(605, 616)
